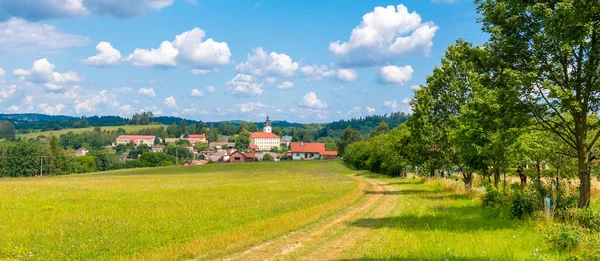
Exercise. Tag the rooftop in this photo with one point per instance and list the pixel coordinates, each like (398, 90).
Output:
(263, 135)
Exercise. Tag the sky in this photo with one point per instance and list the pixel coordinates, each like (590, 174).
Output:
(295, 60)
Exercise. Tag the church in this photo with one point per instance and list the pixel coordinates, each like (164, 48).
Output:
(266, 139)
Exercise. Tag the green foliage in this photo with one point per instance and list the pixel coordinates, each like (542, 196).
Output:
(348, 137)
(523, 204)
(563, 237)
(143, 118)
(587, 218)
(381, 129)
(149, 159)
(268, 157)
(7, 130)
(86, 164)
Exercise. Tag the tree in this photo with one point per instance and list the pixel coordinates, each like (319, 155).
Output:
(552, 49)
(268, 157)
(348, 137)
(7, 130)
(182, 126)
(54, 157)
(381, 129)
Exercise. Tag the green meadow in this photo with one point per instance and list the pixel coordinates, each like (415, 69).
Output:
(431, 223)
(57, 133)
(166, 213)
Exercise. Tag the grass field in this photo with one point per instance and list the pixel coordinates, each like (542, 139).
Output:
(431, 224)
(128, 128)
(166, 213)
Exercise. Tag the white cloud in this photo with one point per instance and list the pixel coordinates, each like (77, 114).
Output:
(260, 64)
(42, 72)
(391, 104)
(164, 56)
(315, 72)
(90, 105)
(310, 100)
(19, 35)
(188, 48)
(7, 92)
(107, 56)
(203, 72)
(13, 108)
(51, 110)
(415, 87)
(249, 107)
(383, 36)
(285, 85)
(170, 102)
(210, 88)
(271, 80)
(370, 110)
(49, 9)
(124, 89)
(2, 72)
(391, 74)
(198, 54)
(28, 100)
(347, 75)
(148, 92)
(244, 85)
(196, 93)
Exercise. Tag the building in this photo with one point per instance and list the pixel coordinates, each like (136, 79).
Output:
(158, 148)
(309, 151)
(81, 152)
(221, 145)
(192, 138)
(136, 140)
(265, 140)
(286, 140)
(239, 157)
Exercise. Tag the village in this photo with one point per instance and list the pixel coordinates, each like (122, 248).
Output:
(263, 146)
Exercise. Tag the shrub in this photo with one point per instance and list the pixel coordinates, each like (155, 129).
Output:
(522, 205)
(492, 198)
(563, 237)
(587, 218)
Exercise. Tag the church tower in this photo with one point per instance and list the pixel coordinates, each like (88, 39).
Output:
(267, 127)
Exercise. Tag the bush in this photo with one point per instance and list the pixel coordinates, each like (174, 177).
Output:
(587, 218)
(522, 205)
(492, 198)
(563, 237)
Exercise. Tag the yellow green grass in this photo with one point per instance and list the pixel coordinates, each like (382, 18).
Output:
(128, 128)
(166, 213)
(429, 223)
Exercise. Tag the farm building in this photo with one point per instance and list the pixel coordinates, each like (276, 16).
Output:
(309, 151)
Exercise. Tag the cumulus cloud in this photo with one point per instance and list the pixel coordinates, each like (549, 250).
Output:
(315, 72)
(200, 71)
(196, 93)
(415, 87)
(391, 104)
(170, 102)
(42, 72)
(89, 105)
(384, 35)
(310, 100)
(107, 56)
(249, 107)
(13, 108)
(210, 88)
(7, 92)
(391, 74)
(347, 75)
(370, 110)
(47, 9)
(18, 35)
(2, 72)
(164, 56)
(148, 92)
(259, 63)
(188, 49)
(244, 85)
(285, 85)
(51, 110)
(395, 106)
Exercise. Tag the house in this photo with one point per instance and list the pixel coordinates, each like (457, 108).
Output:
(192, 138)
(286, 140)
(158, 148)
(81, 152)
(136, 140)
(239, 157)
(265, 140)
(309, 151)
(222, 145)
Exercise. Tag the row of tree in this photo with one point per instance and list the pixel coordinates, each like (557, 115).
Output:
(528, 96)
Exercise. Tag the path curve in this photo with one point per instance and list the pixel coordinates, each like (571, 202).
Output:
(329, 239)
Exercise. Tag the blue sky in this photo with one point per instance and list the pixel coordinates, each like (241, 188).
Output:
(301, 61)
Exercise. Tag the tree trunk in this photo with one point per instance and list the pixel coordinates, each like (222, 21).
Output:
(584, 179)
(539, 178)
(496, 177)
(522, 176)
(468, 179)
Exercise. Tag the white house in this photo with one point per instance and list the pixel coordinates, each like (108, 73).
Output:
(310, 151)
(81, 152)
(265, 140)
(136, 139)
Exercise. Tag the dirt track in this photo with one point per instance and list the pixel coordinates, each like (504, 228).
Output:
(329, 239)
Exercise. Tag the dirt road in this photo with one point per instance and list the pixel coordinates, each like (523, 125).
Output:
(330, 238)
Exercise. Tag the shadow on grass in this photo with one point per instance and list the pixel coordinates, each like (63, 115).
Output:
(407, 181)
(453, 219)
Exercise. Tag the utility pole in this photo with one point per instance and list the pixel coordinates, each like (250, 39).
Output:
(41, 165)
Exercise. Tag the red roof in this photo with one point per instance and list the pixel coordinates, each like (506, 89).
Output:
(253, 146)
(329, 153)
(136, 137)
(263, 135)
(250, 156)
(307, 147)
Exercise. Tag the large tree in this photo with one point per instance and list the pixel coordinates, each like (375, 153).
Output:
(552, 49)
